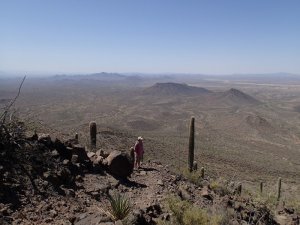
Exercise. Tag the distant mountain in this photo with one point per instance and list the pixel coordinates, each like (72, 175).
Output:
(94, 76)
(258, 122)
(269, 78)
(172, 89)
(235, 96)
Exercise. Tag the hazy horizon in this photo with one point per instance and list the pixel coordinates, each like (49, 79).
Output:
(142, 74)
(50, 74)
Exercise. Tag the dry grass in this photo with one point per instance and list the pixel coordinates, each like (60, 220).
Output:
(185, 213)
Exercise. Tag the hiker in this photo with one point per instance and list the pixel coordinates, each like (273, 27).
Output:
(138, 152)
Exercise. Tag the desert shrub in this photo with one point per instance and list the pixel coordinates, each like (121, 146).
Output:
(294, 204)
(195, 215)
(178, 207)
(194, 176)
(270, 199)
(187, 214)
(164, 222)
(220, 187)
(120, 206)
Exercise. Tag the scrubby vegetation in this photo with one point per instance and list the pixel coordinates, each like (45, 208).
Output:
(120, 206)
(187, 214)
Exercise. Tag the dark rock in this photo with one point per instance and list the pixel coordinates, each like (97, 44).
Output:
(71, 142)
(74, 159)
(66, 162)
(119, 164)
(80, 151)
(68, 192)
(104, 154)
(54, 153)
(63, 176)
(45, 139)
(165, 216)
(289, 210)
(62, 149)
(184, 194)
(205, 193)
(136, 218)
(79, 178)
(154, 210)
(92, 219)
(98, 168)
(95, 195)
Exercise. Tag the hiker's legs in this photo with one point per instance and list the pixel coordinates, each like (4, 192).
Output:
(137, 161)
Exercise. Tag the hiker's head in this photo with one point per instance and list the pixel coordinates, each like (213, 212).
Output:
(140, 138)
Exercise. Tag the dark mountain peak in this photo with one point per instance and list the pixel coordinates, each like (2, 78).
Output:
(236, 92)
(174, 89)
(237, 96)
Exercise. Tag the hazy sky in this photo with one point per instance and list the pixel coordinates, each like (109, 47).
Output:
(212, 36)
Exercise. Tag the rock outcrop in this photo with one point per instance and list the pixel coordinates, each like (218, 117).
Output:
(119, 164)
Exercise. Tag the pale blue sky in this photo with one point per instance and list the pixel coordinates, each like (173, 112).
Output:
(152, 36)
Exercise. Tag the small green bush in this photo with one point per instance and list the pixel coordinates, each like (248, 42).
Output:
(178, 207)
(187, 214)
(194, 177)
(120, 206)
(222, 188)
(195, 216)
(294, 204)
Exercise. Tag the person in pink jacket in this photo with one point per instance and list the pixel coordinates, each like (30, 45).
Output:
(138, 152)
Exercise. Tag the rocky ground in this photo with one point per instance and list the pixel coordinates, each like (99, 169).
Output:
(50, 182)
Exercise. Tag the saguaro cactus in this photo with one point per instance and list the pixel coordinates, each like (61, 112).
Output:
(93, 133)
(279, 189)
(239, 189)
(202, 172)
(261, 187)
(191, 145)
(76, 136)
(195, 165)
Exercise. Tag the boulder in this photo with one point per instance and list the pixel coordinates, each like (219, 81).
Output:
(71, 142)
(91, 154)
(45, 139)
(62, 150)
(93, 219)
(184, 194)
(119, 164)
(137, 217)
(205, 193)
(102, 153)
(82, 154)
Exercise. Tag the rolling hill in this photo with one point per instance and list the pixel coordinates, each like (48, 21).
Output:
(174, 89)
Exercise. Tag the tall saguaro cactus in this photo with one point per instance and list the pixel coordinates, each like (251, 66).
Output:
(191, 145)
(93, 133)
(279, 189)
